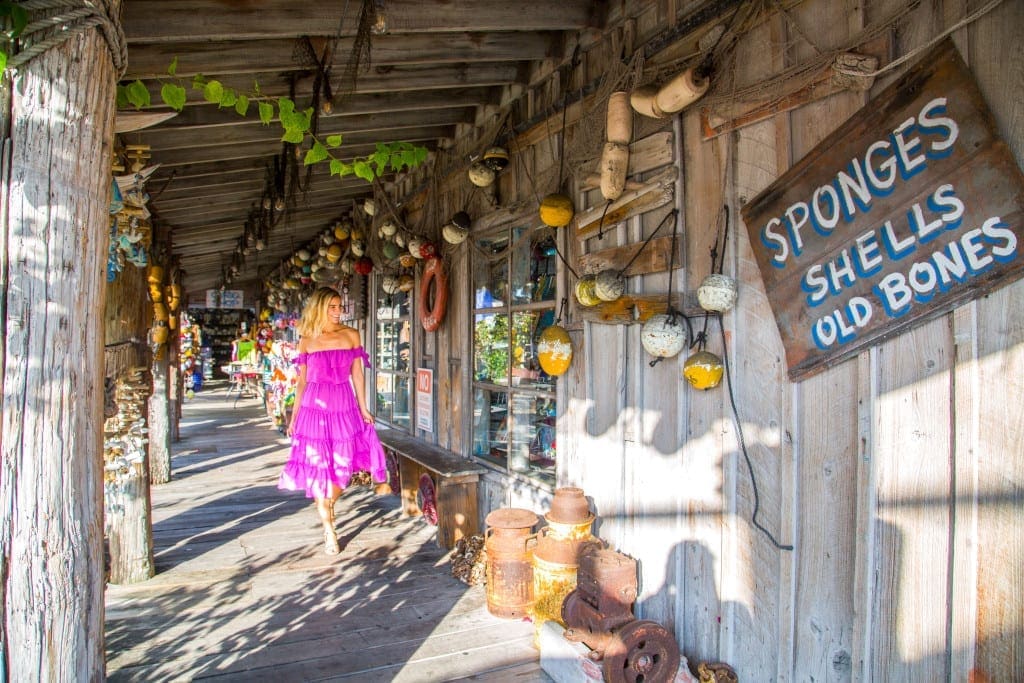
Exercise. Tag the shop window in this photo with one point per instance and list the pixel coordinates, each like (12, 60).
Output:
(514, 300)
(392, 357)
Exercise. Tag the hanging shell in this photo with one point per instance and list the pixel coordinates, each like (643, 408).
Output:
(609, 285)
(717, 293)
(585, 291)
(703, 370)
(554, 350)
(663, 336)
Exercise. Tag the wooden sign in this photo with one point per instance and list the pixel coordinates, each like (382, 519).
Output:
(911, 208)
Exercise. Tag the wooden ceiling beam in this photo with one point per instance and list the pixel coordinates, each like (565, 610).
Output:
(160, 21)
(246, 131)
(214, 59)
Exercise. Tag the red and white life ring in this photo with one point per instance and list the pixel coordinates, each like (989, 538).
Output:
(432, 312)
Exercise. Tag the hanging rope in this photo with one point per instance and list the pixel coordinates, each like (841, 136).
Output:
(743, 445)
(83, 17)
(673, 314)
(671, 214)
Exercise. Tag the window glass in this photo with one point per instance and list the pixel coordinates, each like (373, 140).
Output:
(515, 271)
(392, 356)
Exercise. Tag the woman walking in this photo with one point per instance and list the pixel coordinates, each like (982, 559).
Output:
(331, 428)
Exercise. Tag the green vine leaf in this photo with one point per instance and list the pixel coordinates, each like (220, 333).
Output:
(213, 91)
(198, 81)
(173, 96)
(316, 154)
(138, 94)
(242, 105)
(363, 170)
(122, 97)
(172, 68)
(266, 113)
(228, 99)
(339, 167)
(334, 141)
(293, 135)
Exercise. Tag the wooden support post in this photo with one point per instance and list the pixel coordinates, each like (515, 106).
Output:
(159, 422)
(56, 125)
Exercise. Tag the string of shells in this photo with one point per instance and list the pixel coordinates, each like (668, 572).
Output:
(124, 435)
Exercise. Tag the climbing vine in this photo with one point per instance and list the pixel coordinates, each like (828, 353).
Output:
(297, 125)
(14, 19)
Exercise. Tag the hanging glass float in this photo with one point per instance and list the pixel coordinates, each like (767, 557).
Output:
(554, 350)
(358, 247)
(341, 231)
(480, 174)
(369, 206)
(364, 265)
(388, 228)
(609, 285)
(496, 158)
(585, 291)
(556, 210)
(663, 336)
(390, 250)
(389, 284)
(453, 234)
(703, 370)
(406, 283)
(717, 292)
(334, 253)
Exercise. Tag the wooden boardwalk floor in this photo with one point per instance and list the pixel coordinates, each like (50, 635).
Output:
(244, 591)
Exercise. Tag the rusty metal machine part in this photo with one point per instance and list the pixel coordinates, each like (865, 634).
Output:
(641, 651)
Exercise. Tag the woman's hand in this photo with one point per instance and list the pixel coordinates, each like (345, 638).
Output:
(367, 417)
(291, 428)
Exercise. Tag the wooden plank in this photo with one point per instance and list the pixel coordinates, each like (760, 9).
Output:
(215, 58)
(158, 21)
(647, 154)
(654, 258)
(656, 192)
(635, 309)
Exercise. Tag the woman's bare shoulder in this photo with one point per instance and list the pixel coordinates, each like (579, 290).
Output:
(351, 337)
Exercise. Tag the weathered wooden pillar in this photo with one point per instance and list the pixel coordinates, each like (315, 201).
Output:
(159, 421)
(55, 182)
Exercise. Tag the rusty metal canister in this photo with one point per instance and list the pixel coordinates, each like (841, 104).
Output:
(556, 556)
(509, 542)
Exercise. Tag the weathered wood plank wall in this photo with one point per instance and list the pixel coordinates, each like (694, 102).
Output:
(897, 475)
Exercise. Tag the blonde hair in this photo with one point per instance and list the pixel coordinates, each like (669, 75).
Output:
(314, 315)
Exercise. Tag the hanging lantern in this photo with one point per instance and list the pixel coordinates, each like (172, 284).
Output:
(609, 285)
(556, 210)
(496, 159)
(663, 336)
(703, 370)
(717, 293)
(554, 350)
(480, 174)
(585, 291)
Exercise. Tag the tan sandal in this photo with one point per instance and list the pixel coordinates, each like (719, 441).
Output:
(382, 489)
(331, 546)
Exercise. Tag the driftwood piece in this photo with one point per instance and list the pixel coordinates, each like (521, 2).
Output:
(658, 191)
(637, 308)
(654, 259)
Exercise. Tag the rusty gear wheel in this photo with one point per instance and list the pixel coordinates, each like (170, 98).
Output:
(641, 651)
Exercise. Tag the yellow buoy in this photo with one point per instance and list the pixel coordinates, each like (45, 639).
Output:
(554, 350)
(556, 210)
(703, 370)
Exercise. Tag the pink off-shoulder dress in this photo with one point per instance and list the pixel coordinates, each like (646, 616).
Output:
(330, 441)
